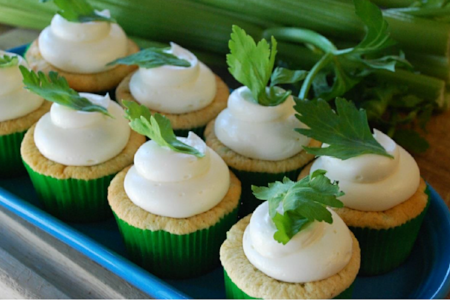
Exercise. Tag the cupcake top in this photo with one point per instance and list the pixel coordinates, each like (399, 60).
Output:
(82, 40)
(173, 176)
(260, 121)
(258, 131)
(375, 173)
(287, 239)
(170, 80)
(80, 129)
(15, 101)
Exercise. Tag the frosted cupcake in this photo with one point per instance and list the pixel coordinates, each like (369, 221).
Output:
(19, 110)
(385, 198)
(285, 251)
(176, 203)
(255, 135)
(74, 151)
(175, 83)
(78, 45)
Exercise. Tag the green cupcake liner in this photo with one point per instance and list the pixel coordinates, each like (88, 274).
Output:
(384, 250)
(10, 160)
(73, 200)
(176, 256)
(233, 292)
(248, 201)
(184, 132)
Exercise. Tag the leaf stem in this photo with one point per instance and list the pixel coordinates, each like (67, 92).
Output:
(299, 35)
(306, 86)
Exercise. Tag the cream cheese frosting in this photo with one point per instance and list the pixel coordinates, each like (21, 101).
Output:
(15, 100)
(177, 185)
(315, 253)
(374, 182)
(77, 138)
(173, 89)
(259, 132)
(82, 48)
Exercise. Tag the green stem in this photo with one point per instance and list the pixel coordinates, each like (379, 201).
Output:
(306, 86)
(436, 66)
(299, 35)
(429, 88)
(423, 12)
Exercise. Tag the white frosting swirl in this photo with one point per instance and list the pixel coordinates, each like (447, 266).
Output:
(82, 48)
(259, 132)
(15, 101)
(315, 253)
(172, 89)
(374, 182)
(177, 185)
(76, 138)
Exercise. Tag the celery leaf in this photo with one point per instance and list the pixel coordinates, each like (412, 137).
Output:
(151, 58)
(294, 205)
(156, 127)
(251, 64)
(284, 76)
(8, 61)
(57, 90)
(346, 131)
(79, 11)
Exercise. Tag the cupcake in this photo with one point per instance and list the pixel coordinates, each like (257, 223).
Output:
(19, 110)
(385, 198)
(179, 86)
(73, 152)
(176, 203)
(255, 135)
(78, 46)
(291, 247)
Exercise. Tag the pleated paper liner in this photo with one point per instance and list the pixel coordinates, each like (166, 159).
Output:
(233, 292)
(248, 201)
(176, 256)
(73, 200)
(10, 160)
(384, 250)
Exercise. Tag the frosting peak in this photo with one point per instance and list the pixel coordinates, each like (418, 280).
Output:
(66, 117)
(77, 138)
(170, 166)
(15, 100)
(373, 182)
(259, 132)
(177, 185)
(82, 47)
(317, 252)
(173, 89)
(79, 32)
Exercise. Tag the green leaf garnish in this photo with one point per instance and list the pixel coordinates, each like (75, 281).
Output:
(302, 202)
(344, 69)
(284, 76)
(57, 90)
(8, 61)
(151, 58)
(156, 127)
(347, 131)
(377, 35)
(251, 64)
(79, 11)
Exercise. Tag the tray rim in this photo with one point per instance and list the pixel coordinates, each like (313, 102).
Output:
(124, 268)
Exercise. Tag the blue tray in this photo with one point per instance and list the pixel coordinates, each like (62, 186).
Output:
(425, 275)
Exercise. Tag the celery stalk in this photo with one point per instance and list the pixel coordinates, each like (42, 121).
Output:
(337, 19)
